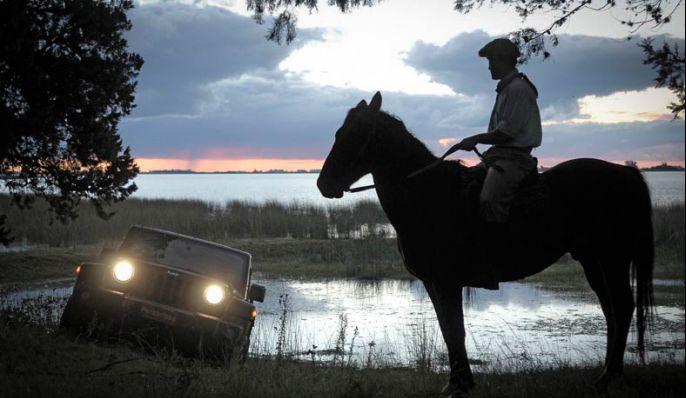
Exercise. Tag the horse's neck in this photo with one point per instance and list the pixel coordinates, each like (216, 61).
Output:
(398, 153)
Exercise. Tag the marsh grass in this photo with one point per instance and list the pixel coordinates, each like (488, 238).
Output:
(241, 220)
(370, 258)
(232, 220)
(670, 238)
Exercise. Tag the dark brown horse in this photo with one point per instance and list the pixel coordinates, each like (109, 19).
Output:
(598, 211)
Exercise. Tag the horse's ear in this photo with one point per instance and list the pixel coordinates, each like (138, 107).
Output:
(375, 105)
(362, 104)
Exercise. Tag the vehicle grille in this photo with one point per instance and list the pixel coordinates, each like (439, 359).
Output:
(165, 288)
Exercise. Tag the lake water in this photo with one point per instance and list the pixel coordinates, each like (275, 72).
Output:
(392, 323)
(666, 188)
(219, 188)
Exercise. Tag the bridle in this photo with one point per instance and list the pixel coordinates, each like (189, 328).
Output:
(424, 169)
(366, 144)
(413, 174)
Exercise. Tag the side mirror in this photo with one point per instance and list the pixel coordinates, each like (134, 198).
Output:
(256, 293)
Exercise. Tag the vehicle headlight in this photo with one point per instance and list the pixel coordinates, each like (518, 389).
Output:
(214, 294)
(123, 270)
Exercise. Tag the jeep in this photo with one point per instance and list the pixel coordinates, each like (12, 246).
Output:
(168, 288)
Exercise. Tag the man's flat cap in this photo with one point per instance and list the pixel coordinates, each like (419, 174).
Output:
(502, 48)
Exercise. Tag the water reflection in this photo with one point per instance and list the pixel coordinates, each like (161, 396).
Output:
(391, 323)
(516, 323)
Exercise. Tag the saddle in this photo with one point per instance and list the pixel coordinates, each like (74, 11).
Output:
(531, 196)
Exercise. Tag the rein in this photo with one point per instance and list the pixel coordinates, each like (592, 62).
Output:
(424, 169)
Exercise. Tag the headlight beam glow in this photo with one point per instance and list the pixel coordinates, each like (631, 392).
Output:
(214, 294)
(123, 271)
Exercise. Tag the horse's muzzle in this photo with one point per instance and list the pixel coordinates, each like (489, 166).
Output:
(328, 188)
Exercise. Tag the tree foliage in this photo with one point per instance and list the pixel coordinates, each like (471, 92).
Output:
(669, 65)
(283, 25)
(66, 80)
(532, 42)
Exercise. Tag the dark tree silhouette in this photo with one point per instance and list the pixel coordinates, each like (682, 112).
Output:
(66, 80)
(533, 42)
(285, 19)
(670, 71)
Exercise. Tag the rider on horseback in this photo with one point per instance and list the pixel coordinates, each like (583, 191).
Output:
(514, 130)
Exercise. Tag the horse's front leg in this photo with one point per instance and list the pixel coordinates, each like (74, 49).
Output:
(447, 301)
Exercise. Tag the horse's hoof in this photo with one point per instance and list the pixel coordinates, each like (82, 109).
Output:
(448, 390)
(605, 380)
(455, 390)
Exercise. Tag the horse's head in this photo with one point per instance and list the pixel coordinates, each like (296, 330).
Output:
(349, 158)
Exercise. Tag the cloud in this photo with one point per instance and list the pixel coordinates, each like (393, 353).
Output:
(620, 141)
(580, 66)
(277, 117)
(212, 88)
(263, 115)
(186, 47)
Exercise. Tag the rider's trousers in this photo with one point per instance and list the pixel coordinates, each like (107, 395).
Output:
(498, 191)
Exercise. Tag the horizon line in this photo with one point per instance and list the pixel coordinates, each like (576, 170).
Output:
(271, 165)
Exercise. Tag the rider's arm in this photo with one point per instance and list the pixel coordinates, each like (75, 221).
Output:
(495, 137)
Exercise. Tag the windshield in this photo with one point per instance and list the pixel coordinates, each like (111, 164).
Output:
(189, 254)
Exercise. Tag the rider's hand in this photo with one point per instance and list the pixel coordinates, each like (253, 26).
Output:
(467, 144)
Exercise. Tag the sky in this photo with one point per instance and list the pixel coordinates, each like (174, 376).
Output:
(215, 95)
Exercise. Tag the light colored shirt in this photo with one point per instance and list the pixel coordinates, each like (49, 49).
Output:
(516, 114)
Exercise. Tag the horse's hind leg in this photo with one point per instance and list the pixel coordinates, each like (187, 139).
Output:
(622, 302)
(610, 281)
(596, 279)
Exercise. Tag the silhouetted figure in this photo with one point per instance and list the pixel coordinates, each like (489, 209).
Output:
(514, 130)
(598, 211)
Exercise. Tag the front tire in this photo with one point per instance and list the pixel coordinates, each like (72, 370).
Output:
(73, 317)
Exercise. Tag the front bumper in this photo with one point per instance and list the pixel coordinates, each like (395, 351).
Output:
(157, 324)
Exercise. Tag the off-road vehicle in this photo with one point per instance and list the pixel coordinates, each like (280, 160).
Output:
(161, 286)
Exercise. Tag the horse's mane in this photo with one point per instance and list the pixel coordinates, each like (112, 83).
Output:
(391, 130)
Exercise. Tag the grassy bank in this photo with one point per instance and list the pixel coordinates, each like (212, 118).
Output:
(281, 257)
(291, 258)
(39, 360)
(294, 258)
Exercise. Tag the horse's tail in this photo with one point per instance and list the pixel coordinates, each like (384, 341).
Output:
(642, 262)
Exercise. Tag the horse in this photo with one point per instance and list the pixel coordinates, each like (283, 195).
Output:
(597, 211)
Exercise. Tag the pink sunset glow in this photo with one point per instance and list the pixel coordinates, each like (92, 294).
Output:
(212, 165)
(217, 165)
